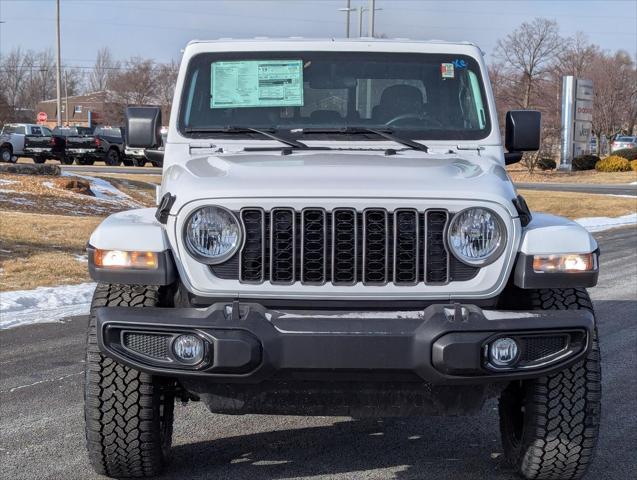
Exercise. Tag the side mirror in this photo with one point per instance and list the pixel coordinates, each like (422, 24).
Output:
(143, 126)
(523, 130)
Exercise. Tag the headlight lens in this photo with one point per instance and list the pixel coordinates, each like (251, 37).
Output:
(476, 236)
(213, 234)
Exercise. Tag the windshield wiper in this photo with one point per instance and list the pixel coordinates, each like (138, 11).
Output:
(381, 132)
(265, 132)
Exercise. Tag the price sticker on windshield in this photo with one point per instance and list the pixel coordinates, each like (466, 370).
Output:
(447, 70)
(256, 83)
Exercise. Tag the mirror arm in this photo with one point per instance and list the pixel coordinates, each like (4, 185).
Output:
(512, 157)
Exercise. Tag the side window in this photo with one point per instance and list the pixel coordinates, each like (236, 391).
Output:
(36, 131)
(46, 132)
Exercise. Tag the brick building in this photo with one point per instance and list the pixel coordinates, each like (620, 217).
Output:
(91, 109)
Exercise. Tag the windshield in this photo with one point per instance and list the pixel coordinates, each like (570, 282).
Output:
(14, 129)
(108, 131)
(423, 96)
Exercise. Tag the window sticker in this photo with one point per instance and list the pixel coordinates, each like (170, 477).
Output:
(256, 83)
(446, 70)
(459, 64)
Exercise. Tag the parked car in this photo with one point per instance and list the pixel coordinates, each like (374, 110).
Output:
(77, 143)
(623, 141)
(320, 252)
(28, 140)
(109, 143)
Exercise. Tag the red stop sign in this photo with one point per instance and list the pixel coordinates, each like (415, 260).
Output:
(42, 117)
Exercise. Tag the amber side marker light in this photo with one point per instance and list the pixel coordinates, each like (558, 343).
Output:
(567, 263)
(124, 259)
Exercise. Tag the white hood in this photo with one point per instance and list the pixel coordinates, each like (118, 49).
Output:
(323, 174)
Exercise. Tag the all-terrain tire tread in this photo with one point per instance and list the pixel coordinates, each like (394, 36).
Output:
(122, 405)
(562, 409)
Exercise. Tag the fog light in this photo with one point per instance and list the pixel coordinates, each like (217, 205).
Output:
(503, 352)
(188, 349)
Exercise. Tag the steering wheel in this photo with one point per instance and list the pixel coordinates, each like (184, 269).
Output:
(416, 116)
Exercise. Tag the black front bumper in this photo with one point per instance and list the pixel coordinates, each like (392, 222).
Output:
(246, 343)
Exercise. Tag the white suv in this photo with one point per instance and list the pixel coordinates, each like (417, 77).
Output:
(336, 234)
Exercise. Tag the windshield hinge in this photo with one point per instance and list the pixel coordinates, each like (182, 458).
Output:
(479, 148)
(204, 146)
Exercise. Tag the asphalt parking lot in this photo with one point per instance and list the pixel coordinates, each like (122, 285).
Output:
(42, 436)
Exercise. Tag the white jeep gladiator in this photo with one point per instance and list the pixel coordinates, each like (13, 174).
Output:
(336, 234)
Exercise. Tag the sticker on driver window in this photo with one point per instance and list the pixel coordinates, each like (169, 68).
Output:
(256, 83)
(446, 70)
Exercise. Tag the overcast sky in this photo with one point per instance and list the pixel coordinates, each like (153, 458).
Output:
(160, 29)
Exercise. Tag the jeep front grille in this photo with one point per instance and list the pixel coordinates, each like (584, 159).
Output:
(343, 247)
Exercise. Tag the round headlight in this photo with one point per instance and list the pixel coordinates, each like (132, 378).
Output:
(212, 234)
(476, 236)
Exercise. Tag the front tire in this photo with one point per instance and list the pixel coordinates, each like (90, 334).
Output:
(6, 155)
(85, 161)
(549, 425)
(112, 158)
(128, 413)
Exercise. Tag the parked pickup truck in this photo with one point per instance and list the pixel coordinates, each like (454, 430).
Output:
(336, 234)
(110, 146)
(76, 143)
(28, 140)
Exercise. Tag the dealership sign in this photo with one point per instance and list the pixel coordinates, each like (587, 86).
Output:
(577, 119)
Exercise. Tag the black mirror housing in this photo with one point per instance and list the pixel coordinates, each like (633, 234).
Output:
(143, 126)
(523, 130)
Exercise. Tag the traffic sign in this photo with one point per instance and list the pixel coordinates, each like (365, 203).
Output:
(42, 117)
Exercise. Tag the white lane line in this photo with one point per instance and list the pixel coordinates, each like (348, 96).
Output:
(57, 379)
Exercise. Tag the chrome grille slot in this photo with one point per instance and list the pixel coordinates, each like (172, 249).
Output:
(343, 246)
(282, 245)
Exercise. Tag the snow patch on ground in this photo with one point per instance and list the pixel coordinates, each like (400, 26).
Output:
(44, 304)
(4, 181)
(105, 191)
(599, 224)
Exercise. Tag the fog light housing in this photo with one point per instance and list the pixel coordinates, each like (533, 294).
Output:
(188, 349)
(503, 352)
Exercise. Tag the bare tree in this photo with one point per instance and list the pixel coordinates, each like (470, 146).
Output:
(166, 75)
(136, 83)
(103, 70)
(614, 94)
(14, 70)
(529, 53)
(577, 57)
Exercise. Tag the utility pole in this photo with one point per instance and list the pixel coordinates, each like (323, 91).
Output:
(370, 27)
(361, 10)
(348, 10)
(59, 71)
(66, 97)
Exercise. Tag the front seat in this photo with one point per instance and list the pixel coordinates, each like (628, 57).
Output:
(398, 100)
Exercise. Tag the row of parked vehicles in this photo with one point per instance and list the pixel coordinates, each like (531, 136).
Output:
(81, 145)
